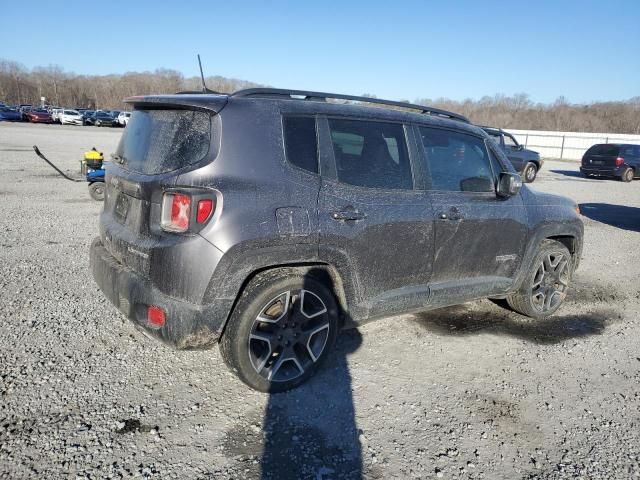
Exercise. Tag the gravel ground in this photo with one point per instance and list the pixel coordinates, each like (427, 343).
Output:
(466, 392)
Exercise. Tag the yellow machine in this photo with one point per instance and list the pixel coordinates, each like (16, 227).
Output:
(92, 159)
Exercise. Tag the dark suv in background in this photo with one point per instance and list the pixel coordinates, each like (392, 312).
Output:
(526, 162)
(612, 160)
(266, 220)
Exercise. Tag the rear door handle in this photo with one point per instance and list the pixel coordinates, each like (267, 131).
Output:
(347, 214)
(454, 214)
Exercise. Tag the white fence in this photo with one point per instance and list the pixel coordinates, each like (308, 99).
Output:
(567, 145)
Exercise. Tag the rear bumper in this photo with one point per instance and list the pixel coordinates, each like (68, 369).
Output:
(602, 170)
(188, 326)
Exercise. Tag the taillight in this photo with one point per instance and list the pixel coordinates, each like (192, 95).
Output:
(619, 161)
(186, 212)
(156, 316)
(205, 207)
(176, 212)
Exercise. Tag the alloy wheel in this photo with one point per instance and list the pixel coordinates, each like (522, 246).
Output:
(530, 174)
(550, 282)
(289, 335)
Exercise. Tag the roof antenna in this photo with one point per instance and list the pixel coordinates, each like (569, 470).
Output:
(204, 87)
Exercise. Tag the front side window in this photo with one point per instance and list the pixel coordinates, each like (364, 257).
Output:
(300, 142)
(371, 154)
(457, 162)
(509, 141)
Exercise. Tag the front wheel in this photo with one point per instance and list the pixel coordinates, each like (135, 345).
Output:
(627, 175)
(283, 327)
(530, 172)
(546, 284)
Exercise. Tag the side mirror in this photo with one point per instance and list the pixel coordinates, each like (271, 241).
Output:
(520, 148)
(509, 184)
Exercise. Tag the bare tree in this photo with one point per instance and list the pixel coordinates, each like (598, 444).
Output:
(21, 85)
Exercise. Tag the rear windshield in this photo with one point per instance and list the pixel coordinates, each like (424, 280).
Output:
(604, 149)
(160, 141)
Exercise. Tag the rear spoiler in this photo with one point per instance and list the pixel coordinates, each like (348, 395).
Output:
(213, 103)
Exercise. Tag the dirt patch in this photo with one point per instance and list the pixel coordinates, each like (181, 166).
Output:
(472, 319)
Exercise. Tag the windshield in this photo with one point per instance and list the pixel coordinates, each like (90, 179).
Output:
(160, 141)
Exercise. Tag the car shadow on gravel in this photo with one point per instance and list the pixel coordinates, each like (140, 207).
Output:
(307, 432)
(472, 319)
(311, 432)
(573, 174)
(619, 216)
(569, 173)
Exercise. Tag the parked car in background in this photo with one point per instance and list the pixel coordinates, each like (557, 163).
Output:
(526, 162)
(619, 160)
(39, 115)
(123, 118)
(99, 119)
(263, 222)
(85, 115)
(55, 114)
(70, 117)
(10, 115)
(24, 109)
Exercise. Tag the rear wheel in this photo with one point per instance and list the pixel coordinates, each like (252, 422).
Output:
(545, 286)
(530, 172)
(283, 327)
(96, 190)
(627, 175)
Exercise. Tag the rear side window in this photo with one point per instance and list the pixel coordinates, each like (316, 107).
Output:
(630, 150)
(371, 154)
(160, 141)
(301, 142)
(458, 162)
(604, 149)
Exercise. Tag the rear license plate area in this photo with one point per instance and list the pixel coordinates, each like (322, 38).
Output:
(121, 208)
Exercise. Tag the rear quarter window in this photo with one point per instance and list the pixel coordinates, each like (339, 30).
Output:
(300, 142)
(160, 141)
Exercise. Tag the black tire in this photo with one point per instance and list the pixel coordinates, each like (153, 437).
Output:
(260, 321)
(546, 283)
(96, 190)
(530, 172)
(627, 175)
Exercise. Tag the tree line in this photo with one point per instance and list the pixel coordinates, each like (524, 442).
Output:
(21, 85)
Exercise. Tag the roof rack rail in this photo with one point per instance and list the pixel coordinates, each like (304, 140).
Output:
(200, 92)
(320, 96)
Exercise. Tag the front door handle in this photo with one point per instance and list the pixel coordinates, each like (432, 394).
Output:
(347, 214)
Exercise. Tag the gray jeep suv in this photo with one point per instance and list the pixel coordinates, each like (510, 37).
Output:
(267, 220)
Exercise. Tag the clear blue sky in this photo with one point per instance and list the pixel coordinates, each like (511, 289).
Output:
(584, 50)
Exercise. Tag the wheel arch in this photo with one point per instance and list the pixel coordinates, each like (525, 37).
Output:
(568, 241)
(569, 237)
(324, 272)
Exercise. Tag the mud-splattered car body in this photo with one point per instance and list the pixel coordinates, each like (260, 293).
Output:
(281, 185)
